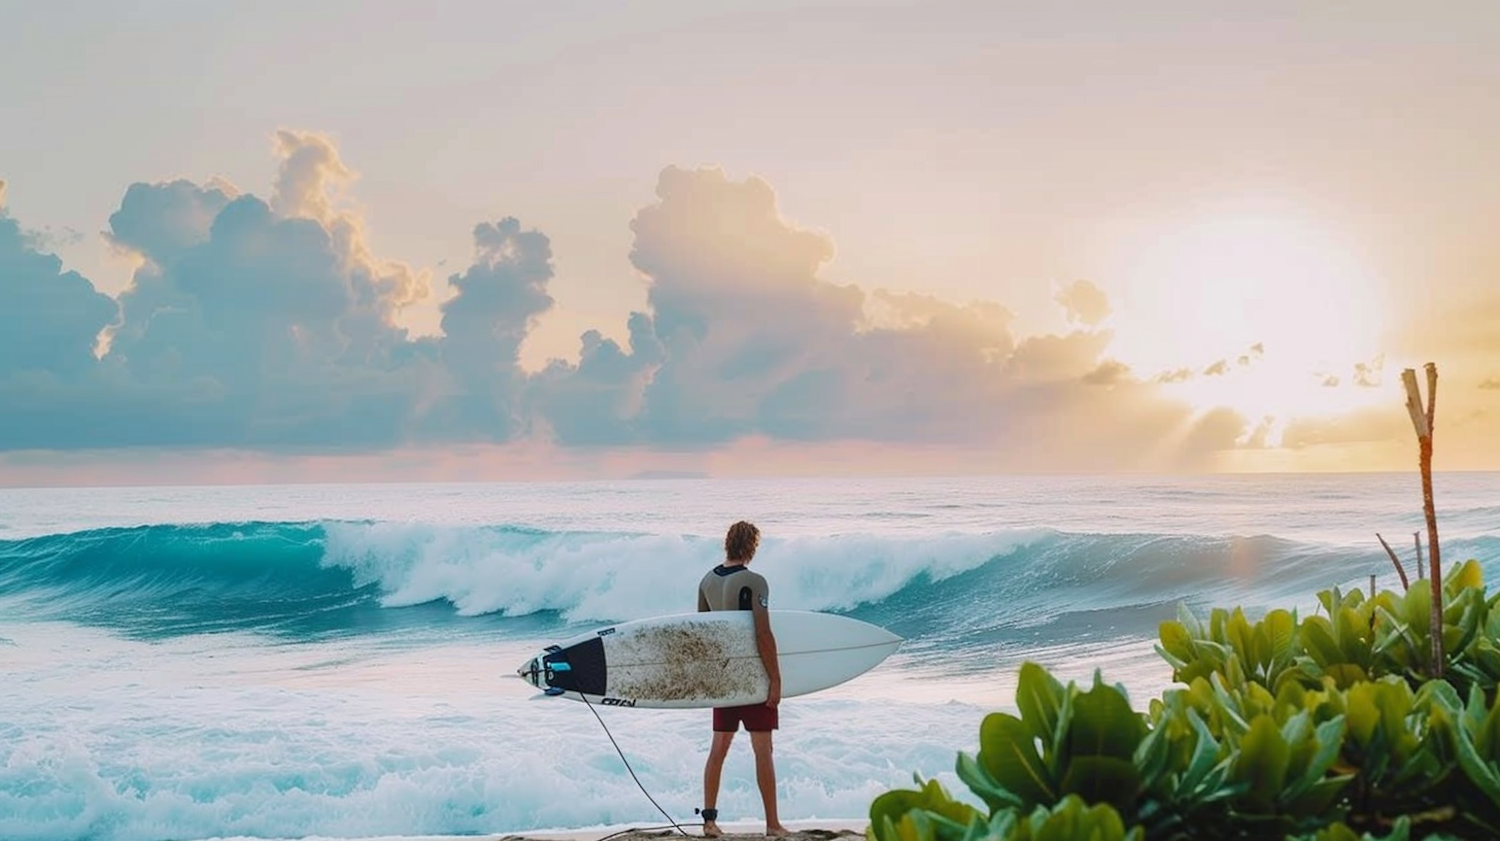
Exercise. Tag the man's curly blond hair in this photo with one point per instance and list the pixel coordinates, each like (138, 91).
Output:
(741, 541)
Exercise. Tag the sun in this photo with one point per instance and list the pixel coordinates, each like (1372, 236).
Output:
(1262, 311)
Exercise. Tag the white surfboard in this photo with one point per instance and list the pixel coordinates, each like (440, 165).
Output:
(707, 659)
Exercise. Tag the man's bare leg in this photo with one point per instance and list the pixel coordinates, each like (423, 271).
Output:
(712, 771)
(765, 777)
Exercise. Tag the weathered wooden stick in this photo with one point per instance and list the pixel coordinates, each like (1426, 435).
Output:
(1428, 507)
(1431, 397)
(1422, 422)
(1400, 570)
(1372, 585)
(1414, 403)
(1416, 537)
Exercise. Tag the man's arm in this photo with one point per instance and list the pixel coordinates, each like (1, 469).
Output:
(765, 643)
(702, 601)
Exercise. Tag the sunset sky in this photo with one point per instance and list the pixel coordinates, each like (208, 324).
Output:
(382, 240)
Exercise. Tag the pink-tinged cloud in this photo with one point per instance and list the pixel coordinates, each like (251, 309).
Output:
(269, 325)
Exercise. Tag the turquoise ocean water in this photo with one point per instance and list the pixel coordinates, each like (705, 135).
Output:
(285, 662)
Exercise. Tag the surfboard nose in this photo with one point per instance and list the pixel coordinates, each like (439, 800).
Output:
(531, 671)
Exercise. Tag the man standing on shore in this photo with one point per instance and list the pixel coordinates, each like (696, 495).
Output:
(733, 586)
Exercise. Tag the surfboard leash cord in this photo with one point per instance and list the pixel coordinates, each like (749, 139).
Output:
(638, 783)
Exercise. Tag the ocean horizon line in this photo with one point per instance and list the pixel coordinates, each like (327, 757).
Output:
(691, 476)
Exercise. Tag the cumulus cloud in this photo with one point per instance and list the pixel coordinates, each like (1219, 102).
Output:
(50, 320)
(1370, 374)
(268, 323)
(311, 180)
(311, 174)
(248, 323)
(260, 333)
(51, 317)
(742, 337)
(498, 300)
(1084, 302)
(596, 401)
(160, 221)
(1109, 372)
(1490, 383)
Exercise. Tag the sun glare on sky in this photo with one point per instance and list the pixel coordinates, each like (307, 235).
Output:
(1266, 313)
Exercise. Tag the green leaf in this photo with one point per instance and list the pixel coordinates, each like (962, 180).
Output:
(889, 810)
(1319, 798)
(1262, 763)
(1175, 639)
(1216, 619)
(1465, 576)
(1104, 724)
(1189, 621)
(979, 781)
(1278, 629)
(1103, 779)
(1317, 636)
(1007, 751)
(927, 814)
(1487, 734)
(1039, 697)
(1353, 636)
(1361, 712)
(1154, 756)
(1336, 832)
(1346, 674)
(1482, 773)
(1416, 610)
(1241, 639)
(1397, 637)
(1074, 820)
(1330, 739)
(1205, 754)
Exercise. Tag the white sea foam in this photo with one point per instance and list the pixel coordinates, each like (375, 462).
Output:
(611, 577)
(201, 737)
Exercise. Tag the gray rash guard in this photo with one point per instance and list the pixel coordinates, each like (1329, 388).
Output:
(733, 587)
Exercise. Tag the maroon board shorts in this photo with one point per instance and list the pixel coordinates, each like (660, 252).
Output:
(757, 718)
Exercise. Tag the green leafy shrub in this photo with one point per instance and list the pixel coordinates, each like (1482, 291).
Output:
(1319, 729)
(1359, 639)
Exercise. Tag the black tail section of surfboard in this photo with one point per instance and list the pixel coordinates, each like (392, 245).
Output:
(585, 672)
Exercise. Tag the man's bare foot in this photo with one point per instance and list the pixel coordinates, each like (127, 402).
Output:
(711, 830)
(777, 831)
